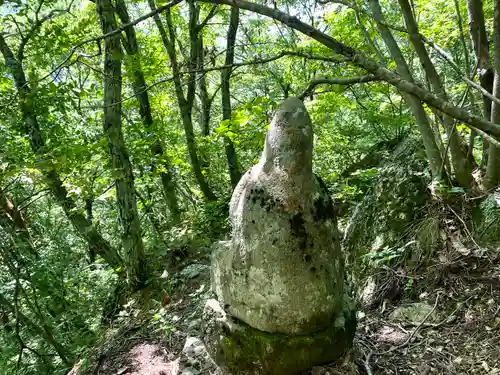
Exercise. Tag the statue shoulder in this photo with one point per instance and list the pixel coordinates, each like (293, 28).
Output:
(238, 192)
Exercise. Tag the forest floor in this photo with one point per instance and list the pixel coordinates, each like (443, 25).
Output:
(453, 327)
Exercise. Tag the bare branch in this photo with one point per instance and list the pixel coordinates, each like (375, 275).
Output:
(455, 67)
(209, 16)
(359, 59)
(337, 81)
(114, 32)
(38, 23)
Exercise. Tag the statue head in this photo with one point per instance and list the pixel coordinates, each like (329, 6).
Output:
(289, 140)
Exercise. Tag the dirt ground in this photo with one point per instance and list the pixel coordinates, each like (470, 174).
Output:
(458, 334)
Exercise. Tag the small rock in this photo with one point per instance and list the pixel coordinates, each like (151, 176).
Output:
(195, 324)
(414, 313)
(193, 270)
(194, 359)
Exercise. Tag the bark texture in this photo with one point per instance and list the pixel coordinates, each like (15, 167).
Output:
(139, 87)
(232, 160)
(122, 169)
(492, 177)
(481, 48)
(459, 160)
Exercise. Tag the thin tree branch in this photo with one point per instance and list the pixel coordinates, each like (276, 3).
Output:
(209, 16)
(111, 33)
(455, 67)
(233, 66)
(337, 81)
(39, 22)
(360, 60)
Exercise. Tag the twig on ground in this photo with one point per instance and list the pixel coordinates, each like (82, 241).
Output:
(465, 227)
(413, 333)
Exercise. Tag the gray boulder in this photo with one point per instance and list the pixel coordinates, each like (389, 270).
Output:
(389, 224)
(280, 279)
(283, 269)
(240, 349)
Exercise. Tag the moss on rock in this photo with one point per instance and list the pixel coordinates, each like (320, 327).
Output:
(486, 220)
(383, 224)
(243, 350)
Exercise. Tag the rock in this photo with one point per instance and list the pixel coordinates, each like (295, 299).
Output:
(241, 349)
(194, 359)
(486, 217)
(282, 271)
(282, 306)
(414, 313)
(387, 225)
(193, 270)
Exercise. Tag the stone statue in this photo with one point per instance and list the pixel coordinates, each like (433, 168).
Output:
(279, 281)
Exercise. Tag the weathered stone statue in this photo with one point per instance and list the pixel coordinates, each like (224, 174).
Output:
(280, 280)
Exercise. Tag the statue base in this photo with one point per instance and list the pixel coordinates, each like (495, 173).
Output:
(243, 350)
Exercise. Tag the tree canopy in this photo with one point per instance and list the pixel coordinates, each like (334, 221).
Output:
(126, 124)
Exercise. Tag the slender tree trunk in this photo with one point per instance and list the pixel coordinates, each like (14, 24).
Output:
(205, 100)
(465, 47)
(479, 41)
(12, 217)
(369, 40)
(89, 209)
(37, 143)
(459, 160)
(140, 90)
(492, 177)
(232, 160)
(42, 330)
(185, 102)
(124, 179)
(431, 148)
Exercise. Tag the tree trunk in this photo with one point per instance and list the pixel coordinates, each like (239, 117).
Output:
(185, 102)
(479, 41)
(459, 160)
(122, 169)
(89, 203)
(431, 148)
(492, 177)
(232, 160)
(37, 143)
(12, 217)
(465, 47)
(40, 329)
(140, 90)
(205, 99)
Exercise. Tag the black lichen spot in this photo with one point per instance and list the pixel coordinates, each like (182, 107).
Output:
(298, 228)
(275, 241)
(253, 221)
(307, 258)
(254, 199)
(323, 209)
(323, 206)
(313, 269)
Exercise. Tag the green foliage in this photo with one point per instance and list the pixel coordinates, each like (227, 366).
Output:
(354, 126)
